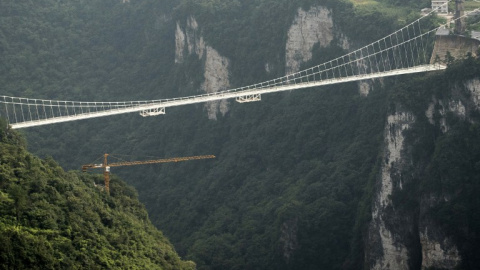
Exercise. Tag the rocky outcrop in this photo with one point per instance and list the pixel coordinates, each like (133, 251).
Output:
(364, 87)
(189, 41)
(268, 67)
(386, 248)
(179, 44)
(460, 104)
(311, 27)
(289, 238)
(442, 108)
(473, 86)
(216, 78)
(409, 238)
(400, 240)
(438, 250)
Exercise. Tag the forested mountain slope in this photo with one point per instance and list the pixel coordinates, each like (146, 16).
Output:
(51, 219)
(339, 177)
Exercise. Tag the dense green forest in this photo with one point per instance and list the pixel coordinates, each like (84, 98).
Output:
(52, 219)
(295, 174)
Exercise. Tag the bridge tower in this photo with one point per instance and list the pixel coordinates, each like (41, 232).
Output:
(459, 21)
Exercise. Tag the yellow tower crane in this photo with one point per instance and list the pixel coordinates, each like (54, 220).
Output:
(106, 166)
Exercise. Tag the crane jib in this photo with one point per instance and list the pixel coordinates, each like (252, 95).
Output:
(106, 166)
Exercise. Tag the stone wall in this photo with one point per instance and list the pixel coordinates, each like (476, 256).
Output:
(458, 46)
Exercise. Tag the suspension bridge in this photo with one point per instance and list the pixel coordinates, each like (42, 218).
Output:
(405, 51)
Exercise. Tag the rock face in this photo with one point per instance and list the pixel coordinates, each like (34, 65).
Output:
(189, 41)
(410, 239)
(311, 27)
(454, 106)
(399, 240)
(289, 238)
(364, 87)
(438, 251)
(216, 78)
(460, 106)
(179, 44)
(386, 248)
(473, 86)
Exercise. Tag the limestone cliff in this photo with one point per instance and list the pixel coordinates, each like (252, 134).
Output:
(311, 27)
(399, 239)
(289, 238)
(409, 239)
(439, 250)
(189, 41)
(473, 86)
(386, 248)
(308, 29)
(216, 78)
(179, 44)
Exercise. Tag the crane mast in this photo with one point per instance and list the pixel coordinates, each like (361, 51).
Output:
(106, 166)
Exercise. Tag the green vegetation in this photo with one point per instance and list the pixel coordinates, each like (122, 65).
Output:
(296, 162)
(294, 177)
(471, 4)
(388, 9)
(51, 219)
(468, 5)
(473, 23)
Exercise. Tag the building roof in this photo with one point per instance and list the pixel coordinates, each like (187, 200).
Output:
(476, 34)
(443, 32)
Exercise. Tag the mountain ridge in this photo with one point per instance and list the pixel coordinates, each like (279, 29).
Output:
(51, 219)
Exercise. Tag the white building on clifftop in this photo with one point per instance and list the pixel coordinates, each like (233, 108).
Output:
(440, 6)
